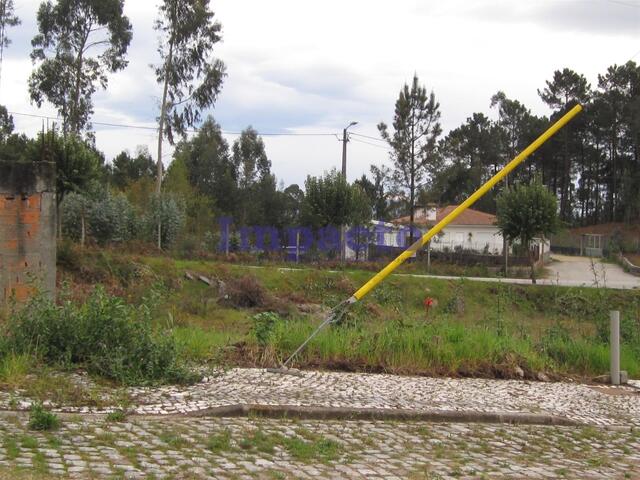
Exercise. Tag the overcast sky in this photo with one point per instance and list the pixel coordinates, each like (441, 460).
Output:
(314, 66)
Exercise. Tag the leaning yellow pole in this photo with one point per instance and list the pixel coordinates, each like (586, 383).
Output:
(386, 271)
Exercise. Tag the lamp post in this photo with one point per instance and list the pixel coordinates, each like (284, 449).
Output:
(345, 139)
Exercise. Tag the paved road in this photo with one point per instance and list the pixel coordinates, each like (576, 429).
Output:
(590, 272)
(252, 448)
(590, 405)
(564, 271)
(158, 441)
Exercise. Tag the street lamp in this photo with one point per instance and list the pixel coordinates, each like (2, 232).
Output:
(344, 148)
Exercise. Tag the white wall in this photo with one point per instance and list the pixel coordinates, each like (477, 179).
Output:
(470, 237)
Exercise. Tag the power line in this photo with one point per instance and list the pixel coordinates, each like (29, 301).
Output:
(155, 129)
(372, 144)
(367, 136)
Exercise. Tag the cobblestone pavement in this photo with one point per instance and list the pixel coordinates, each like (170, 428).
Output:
(186, 447)
(586, 404)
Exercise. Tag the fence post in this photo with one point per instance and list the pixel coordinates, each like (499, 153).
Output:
(298, 247)
(614, 318)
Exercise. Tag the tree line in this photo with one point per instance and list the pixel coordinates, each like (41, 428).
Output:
(591, 166)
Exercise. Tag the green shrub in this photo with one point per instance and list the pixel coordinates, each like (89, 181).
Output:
(112, 218)
(109, 337)
(108, 217)
(263, 325)
(170, 211)
(41, 419)
(116, 416)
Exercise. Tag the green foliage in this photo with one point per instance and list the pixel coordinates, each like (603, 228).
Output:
(127, 169)
(263, 324)
(220, 442)
(169, 210)
(77, 163)
(67, 76)
(116, 416)
(203, 167)
(8, 18)
(107, 336)
(112, 218)
(41, 419)
(526, 212)
(330, 200)
(470, 154)
(376, 191)
(108, 218)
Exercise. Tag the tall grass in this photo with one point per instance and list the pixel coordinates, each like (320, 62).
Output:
(444, 349)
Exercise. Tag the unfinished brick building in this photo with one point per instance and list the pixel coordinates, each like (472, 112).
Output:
(27, 229)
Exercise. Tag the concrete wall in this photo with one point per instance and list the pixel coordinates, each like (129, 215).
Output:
(27, 229)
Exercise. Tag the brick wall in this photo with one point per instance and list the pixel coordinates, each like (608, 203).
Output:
(27, 229)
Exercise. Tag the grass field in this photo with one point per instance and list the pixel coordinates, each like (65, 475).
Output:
(258, 315)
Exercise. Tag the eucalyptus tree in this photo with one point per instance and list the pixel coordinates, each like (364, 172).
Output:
(413, 142)
(8, 18)
(190, 76)
(253, 168)
(79, 42)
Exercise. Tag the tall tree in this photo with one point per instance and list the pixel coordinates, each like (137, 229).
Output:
(293, 199)
(416, 128)
(6, 124)
(618, 99)
(209, 168)
(376, 191)
(191, 77)
(561, 93)
(8, 18)
(327, 200)
(470, 155)
(79, 42)
(254, 169)
(127, 169)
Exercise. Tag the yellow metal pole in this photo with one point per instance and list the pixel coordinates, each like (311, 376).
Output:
(386, 271)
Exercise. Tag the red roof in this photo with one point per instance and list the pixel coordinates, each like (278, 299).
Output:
(468, 217)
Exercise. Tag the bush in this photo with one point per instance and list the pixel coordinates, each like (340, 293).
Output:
(247, 292)
(112, 219)
(42, 420)
(107, 336)
(263, 324)
(171, 211)
(108, 218)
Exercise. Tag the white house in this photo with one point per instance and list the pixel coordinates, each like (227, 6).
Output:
(471, 230)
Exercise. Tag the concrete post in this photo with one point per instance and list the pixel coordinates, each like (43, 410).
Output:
(614, 318)
(27, 229)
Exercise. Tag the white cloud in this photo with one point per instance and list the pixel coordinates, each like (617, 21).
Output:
(315, 66)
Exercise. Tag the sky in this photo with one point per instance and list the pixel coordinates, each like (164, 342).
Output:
(315, 66)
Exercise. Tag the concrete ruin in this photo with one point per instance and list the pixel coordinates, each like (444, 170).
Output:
(27, 230)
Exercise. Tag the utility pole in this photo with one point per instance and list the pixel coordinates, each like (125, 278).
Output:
(345, 139)
(505, 242)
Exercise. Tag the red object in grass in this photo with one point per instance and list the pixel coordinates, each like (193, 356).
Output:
(428, 302)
